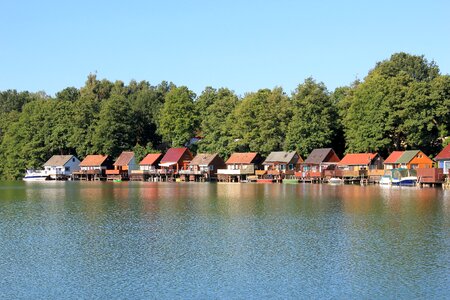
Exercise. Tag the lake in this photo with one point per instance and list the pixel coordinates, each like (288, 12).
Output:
(72, 240)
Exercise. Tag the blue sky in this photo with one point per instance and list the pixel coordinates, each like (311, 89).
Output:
(242, 45)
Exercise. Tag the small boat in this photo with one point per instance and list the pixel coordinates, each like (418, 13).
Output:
(399, 177)
(335, 180)
(386, 180)
(35, 175)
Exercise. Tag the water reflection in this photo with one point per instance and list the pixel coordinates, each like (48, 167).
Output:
(192, 240)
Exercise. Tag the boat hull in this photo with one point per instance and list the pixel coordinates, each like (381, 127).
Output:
(35, 178)
(408, 181)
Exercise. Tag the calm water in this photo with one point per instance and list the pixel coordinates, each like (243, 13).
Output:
(167, 240)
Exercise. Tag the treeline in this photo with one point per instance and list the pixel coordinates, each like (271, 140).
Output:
(403, 103)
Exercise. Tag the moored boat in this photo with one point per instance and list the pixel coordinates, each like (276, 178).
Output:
(335, 180)
(404, 177)
(35, 175)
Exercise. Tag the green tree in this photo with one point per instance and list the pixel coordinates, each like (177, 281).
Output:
(393, 108)
(215, 126)
(260, 121)
(114, 131)
(178, 118)
(314, 119)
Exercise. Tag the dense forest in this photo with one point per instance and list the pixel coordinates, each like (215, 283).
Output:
(403, 103)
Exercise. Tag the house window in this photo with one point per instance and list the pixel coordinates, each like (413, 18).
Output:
(211, 167)
(73, 159)
(413, 166)
(67, 169)
(291, 167)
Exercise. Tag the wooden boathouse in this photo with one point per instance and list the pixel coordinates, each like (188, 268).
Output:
(240, 167)
(61, 167)
(279, 166)
(93, 167)
(174, 161)
(123, 166)
(203, 167)
(359, 167)
(148, 167)
(319, 160)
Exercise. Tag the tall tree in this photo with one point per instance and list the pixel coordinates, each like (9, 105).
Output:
(260, 121)
(314, 119)
(392, 109)
(114, 131)
(178, 118)
(215, 126)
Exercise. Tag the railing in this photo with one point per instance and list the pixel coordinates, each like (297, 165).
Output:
(376, 172)
(244, 170)
(191, 172)
(87, 172)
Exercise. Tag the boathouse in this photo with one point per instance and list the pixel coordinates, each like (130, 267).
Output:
(443, 159)
(280, 164)
(174, 160)
(361, 161)
(60, 167)
(391, 161)
(360, 166)
(93, 167)
(123, 166)
(148, 167)
(318, 160)
(240, 167)
(410, 159)
(203, 167)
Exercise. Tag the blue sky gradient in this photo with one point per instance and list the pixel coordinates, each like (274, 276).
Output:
(242, 45)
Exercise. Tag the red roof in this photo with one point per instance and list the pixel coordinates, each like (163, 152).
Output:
(393, 157)
(173, 155)
(444, 154)
(357, 159)
(150, 159)
(242, 158)
(93, 160)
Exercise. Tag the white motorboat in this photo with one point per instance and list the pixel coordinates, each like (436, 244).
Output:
(335, 180)
(35, 175)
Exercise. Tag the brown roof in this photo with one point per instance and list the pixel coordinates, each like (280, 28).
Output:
(318, 156)
(124, 158)
(282, 157)
(58, 160)
(93, 160)
(355, 159)
(203, 159)
(242, 158)
(151, 159)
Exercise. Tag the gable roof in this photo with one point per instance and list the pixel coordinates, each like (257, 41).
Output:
(173, 155)
(124, 158)
(58, 160)
(93, 160)
(318, 156)
(407, 156)
(150, 159)
(392, 159)
(444, 154)
(281, 156)
(203, 159)
(353, 159)
(242, 158)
